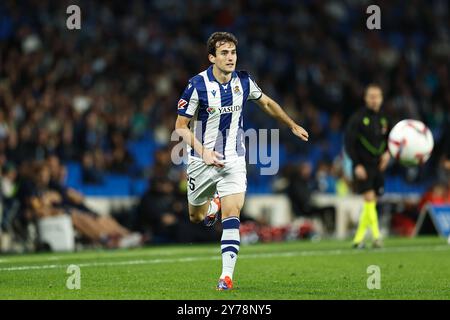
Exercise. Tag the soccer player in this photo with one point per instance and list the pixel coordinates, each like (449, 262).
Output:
(366, 144)
(210, 121)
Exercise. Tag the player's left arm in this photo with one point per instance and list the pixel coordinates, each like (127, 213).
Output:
(274, 110)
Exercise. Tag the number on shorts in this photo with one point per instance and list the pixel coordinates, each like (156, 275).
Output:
(191, 183)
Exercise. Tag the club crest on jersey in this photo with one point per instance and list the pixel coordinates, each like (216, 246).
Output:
(181, 104)
(210, 110)
(236, 90)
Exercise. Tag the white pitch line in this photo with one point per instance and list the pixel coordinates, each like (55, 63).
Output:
(242, 256)
(103, 254)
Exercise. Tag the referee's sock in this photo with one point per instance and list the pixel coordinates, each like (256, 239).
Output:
(230, 245)
(364, 221)
(373, 217)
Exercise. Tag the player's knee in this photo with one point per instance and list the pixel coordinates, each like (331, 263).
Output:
(231, 212)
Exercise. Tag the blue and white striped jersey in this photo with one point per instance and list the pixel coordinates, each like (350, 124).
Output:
(217, 111)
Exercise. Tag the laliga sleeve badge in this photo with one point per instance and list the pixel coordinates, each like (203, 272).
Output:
(181, 104)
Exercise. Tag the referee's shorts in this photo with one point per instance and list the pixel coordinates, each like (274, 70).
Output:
(374, 181)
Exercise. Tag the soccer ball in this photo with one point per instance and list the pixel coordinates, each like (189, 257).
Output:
(411, 142)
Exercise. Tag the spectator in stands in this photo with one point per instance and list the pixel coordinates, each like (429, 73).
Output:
(8, 193)
(300, 188)
(45, 201)
(92, 168)
(437, 194)
(324, 180)
(162, 211)
(442, 151)
(403, 223)
(23, 150)
(343, 183)
(121, 160)
(67, 149)
(70, 196)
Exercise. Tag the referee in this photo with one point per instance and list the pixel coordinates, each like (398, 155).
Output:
(366, 144)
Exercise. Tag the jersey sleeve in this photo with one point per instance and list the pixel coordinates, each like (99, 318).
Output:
(254, 91)
(188, 103)
(351, 139)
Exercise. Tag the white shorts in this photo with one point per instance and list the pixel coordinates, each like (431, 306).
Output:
(204, 180)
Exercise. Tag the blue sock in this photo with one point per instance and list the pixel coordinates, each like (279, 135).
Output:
(230, 245)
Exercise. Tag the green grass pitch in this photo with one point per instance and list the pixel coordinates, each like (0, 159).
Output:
(409, 269)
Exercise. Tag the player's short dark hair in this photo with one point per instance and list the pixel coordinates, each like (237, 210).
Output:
(373, 85)
(219, 38)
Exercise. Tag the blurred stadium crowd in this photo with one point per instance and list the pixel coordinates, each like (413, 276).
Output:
(83, 97)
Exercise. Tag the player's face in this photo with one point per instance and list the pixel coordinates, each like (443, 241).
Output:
(226, 57)
(374, 98)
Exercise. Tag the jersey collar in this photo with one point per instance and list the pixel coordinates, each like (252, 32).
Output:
(211, 77)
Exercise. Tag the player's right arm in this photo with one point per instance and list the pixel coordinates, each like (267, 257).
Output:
(210, 157)
(187, 106)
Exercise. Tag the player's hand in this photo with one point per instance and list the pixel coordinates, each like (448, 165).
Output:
(360, 172)
(384, 161)
(211, 158)
(300, 132)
